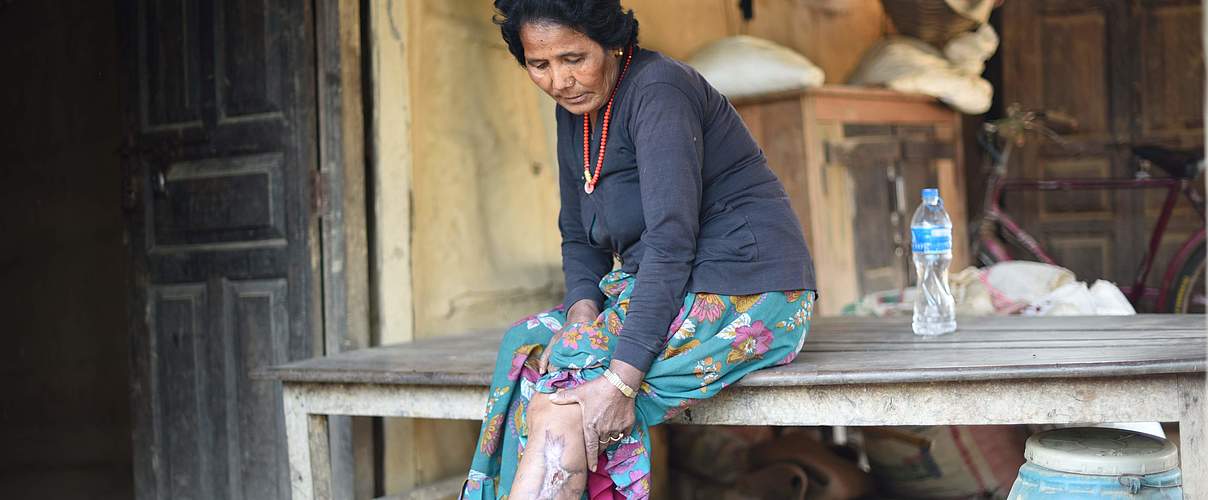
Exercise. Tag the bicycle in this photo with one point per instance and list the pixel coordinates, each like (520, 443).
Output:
(1181, 289)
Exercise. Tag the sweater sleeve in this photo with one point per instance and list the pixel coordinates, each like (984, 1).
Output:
(583, 265)
(668, 141)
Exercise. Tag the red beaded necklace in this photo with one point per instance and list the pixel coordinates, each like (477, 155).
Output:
(590, 179)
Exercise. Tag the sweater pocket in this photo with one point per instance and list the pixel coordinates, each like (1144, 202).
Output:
(777, 233)
(725, 236)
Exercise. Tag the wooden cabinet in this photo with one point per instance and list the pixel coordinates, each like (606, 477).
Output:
(853, 161)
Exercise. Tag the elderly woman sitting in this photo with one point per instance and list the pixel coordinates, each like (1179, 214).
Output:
(657, 172)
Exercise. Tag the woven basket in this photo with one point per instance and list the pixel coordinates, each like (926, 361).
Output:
(931, 21)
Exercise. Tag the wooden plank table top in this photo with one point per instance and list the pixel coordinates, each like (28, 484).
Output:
(847, 351)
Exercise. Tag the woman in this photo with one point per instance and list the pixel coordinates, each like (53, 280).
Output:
(658, 172)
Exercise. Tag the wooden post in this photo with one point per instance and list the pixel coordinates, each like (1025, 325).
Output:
(390, 153)
(391, 158)
(345, 264)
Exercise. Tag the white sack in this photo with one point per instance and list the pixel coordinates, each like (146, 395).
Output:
(970, 295)
(745, 66)
(910, 65)
(968, 52)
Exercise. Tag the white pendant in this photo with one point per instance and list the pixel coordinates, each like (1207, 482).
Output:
(587, 187)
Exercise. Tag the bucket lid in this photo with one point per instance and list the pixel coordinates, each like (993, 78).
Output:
(1101, 451)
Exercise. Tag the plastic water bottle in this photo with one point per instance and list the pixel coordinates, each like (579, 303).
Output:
(931, 243)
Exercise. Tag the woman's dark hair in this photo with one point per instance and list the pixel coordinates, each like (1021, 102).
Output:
(603, 21)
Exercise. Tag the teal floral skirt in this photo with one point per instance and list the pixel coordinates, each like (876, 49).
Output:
(714, 341)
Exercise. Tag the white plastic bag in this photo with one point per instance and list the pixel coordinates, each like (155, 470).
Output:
(1026, 281)
(1110, 301)
(745, 66)
(1040, 289)
(1070, 299)
(1011, 287)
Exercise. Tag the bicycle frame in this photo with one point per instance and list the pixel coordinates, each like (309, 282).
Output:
(996, 215)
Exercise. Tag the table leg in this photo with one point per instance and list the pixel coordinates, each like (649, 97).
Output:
(320, 456)
(1193, 437)
(309, 450)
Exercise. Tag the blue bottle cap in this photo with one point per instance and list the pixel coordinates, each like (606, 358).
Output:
(930, 193)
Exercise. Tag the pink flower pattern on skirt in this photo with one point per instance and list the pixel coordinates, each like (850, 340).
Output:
(517, 363)
(687, 371)
(570, 338)
(708, 307)
(750, 342)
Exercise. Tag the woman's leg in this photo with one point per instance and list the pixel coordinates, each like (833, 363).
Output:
(496, 455)
(554, 465)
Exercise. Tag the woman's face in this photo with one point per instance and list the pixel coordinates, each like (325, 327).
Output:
(568, 65)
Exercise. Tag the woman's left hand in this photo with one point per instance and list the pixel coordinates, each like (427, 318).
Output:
(606, 413)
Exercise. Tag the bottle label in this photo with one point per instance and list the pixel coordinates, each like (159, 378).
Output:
(931, 239)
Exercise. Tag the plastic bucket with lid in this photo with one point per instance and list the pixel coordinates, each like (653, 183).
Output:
(1091, 462)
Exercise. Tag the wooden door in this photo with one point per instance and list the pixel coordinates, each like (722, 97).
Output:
(220, 159)
(1130, 72)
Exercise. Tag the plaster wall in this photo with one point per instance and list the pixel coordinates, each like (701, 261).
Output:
(485, 240)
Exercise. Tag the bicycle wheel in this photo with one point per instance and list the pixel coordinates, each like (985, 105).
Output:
(1187, 289)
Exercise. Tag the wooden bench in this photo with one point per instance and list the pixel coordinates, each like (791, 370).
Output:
(852, 372)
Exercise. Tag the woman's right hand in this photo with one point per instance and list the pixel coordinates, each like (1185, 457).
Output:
(583, 311)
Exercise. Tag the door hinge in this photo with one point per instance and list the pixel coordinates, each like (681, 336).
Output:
(320, 193)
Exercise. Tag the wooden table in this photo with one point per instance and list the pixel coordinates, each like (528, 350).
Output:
(853, 371)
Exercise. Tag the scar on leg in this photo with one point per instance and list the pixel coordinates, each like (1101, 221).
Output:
(555, 478)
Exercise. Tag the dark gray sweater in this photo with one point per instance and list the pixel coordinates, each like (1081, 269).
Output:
(685, 199)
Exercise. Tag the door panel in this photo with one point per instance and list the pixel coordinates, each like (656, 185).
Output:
(256, 332)
(1075, 72)
(213, 204)
(1074, 76)
(249, 63)
(1131, 73)
(1172, 73)
(178, 387)
(223, 237)
(169, 65)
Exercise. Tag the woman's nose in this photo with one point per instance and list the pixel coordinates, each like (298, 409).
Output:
(563, 79)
